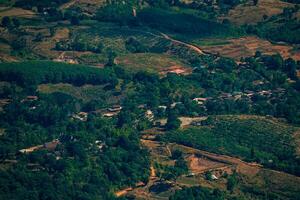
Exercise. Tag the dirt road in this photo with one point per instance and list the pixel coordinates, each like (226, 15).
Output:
(193, 47)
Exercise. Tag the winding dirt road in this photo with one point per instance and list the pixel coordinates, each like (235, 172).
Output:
(193, 47)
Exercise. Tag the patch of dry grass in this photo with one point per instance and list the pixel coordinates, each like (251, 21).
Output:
(149, 62)
(17, 12)
(249, 14)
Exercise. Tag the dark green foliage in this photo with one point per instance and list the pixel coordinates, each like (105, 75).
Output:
(227, 64)
(95, 153)
(28, 4)
(198, 193)
(166, 20)
(111, 58)
(116, 12)
(74, 20)
(232, 181)
(173, 122)
(135, 46)
(37, 72)
(6, 22)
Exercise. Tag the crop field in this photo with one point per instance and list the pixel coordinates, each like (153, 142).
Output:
(16, 12)
(245, 47)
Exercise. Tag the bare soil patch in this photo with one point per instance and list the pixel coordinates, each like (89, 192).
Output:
(202, 164)
(177, 69)
(186, 121)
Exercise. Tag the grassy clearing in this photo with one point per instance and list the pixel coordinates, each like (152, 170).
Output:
(85, 93)
(151, 62)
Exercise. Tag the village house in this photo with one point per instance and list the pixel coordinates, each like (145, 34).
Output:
(265, 92)
(115, 108)
(50, 146)
(249, 93)
(31, 149)
(66, 59)
(173, 105)
(164, 108)
(30, 98)
(112, 111)
(200, 100)
(110, 114)
(225, 96)
(82, 116)
(99, 144)
(149, 115)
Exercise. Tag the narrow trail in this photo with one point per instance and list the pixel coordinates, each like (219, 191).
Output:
(193, 47)
(67, 5)
(152, 179)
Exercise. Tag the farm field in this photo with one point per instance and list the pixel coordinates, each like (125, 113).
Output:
(237, 48)
(201, 162)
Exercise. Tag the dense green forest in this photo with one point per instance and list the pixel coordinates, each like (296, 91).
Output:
(37, 72)
(92, 158)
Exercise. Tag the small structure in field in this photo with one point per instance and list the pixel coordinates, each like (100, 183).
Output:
(50, 146)
(149, 115)
(66, 59)
(200, 100)
(31, 149)
(82, 116)
(115, 108)
(112, 111)
(30, 98)
(173, 105)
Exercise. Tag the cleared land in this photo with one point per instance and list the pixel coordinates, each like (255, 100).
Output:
(16, 12)
(245, 47)
(249, 14)
(200, 162)
(152, 62)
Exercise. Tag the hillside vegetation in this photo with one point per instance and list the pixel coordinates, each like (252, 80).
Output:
(253, 139)
(152, 99)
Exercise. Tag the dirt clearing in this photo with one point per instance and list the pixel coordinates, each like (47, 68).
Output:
(202, 164)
